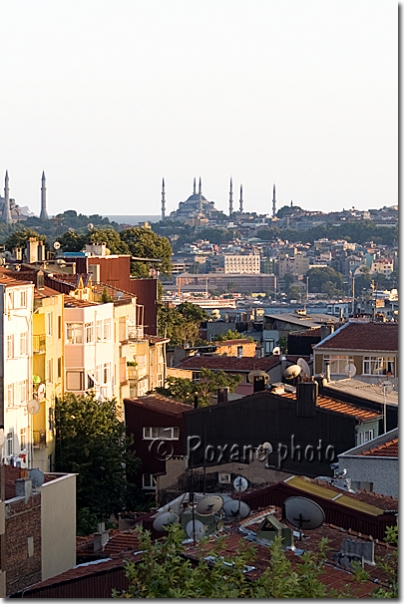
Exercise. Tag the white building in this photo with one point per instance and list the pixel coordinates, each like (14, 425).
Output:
(242, 265)
(16, 310)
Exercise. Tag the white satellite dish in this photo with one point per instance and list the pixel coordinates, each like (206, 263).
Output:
(350, 370)
(291, 372)
(235, 508)
(240, 484)
(303, 513)
(37, 477)
(257, 373)
(90, 226)
(165, 519)
(304, 367)
(276, 350)
(33, 407)
(388, 386)
(41, 392)
(195, 529)
(56, 245)
(210, 505)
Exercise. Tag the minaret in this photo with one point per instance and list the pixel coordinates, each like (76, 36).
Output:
(194, 192)
(241, 199)
(274, 203)
(6, 209)
(200, 186)
(163, 201)
(44, 214)
(231, 197)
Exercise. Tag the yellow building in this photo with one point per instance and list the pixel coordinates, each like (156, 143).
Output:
(48, 370)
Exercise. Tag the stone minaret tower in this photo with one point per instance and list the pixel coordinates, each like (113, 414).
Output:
(194, 191)
(274, 203)
(241, 199)
(231, 197)
(44, 214)
(163, 201)
(6, 209)
(200, 186)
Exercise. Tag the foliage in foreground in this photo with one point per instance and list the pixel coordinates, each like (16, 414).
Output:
(92, 442)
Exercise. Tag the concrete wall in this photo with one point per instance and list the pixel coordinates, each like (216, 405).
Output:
(381, 471)
(58, 517)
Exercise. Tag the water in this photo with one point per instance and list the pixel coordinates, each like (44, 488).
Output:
(133, 219)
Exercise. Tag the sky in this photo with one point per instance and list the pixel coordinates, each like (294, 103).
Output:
(110, 96)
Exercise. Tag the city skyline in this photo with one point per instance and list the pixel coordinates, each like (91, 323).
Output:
(110, 99)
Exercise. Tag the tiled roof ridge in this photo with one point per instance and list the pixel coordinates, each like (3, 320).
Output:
(159, 397)
(392, 442)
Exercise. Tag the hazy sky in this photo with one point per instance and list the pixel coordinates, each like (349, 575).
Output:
(110, 96)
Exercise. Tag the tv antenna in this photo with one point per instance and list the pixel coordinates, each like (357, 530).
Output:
(37, 477)
(276, 351)
(164, 519)
(350, 370)
(195, 529)
(33, 407)
(56, 245)
(304, 367)
(303, 513)
(210, 505)
(90, 226)
(240, 484)
(234, 509)
(291, 372)
(387, 388)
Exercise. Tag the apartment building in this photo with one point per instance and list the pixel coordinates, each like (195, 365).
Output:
(16, 314)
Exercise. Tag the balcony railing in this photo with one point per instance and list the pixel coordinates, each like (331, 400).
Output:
(39, 343)
(39, 438)
(136, 333)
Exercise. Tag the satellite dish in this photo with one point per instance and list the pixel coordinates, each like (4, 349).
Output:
(293, 371)
(41, 392)
(388, 386)
(210, 505)
(90, 226)
(195, 529)
(240, 484)
(276, 350)
(56, 245)
(304, 367)
(257, 373)
(33, 407)
(165, 519)
(235, 508)
(303, 513)
(119, 295)
(350, 370)
(37, 477)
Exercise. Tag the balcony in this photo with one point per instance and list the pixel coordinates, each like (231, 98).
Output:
(39, 439)
(39, 344)
(136, 332)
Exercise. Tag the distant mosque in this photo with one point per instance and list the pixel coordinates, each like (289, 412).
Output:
(10, 212)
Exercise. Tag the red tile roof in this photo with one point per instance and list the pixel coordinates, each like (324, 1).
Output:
(233, 342)
(380, 337)
(388, 449)
(71, 302)
(325, 402)
(161, 404)
(222, 363)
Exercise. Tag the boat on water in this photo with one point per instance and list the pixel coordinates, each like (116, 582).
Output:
(207, 303)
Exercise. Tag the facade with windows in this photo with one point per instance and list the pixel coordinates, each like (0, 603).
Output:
(89, 348)
(364, 350)
(48, 367)
(16, 303)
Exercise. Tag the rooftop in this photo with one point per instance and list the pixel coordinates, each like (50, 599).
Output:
(71, 302)
(308, 321)
(388, 449)
(160, 404)
(367, 337)
(233, 342)
(222, 363)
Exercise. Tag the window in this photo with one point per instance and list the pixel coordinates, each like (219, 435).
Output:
(366, 436)
(10, 444)
(23, 391)
(148, 482)
(23, 439)
(49, 324)
(59, 327)
(107, 329)
(107, 373)
(51, 419)
(162, 433)
(49, 370)
(160, 380)
(10, 346)
(10, 300)
(23, 343)
(378, 365)
(337, 364)
(99, 330)
(239, 351)
(74, 333)
(89, 332)
(59, 367)
(10, 395)
(75, 380)
(23, 298)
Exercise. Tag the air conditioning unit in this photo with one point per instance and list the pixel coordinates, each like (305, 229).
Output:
(224, 478)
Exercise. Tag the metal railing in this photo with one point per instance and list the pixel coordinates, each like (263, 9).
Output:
(39, 343)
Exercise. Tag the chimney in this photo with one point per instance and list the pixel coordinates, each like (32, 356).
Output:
(100, 538)
(222, 395)
(41, 251)
(327, 364)
(326, 330)
(306, 399)
(23, 488)
(32, 250)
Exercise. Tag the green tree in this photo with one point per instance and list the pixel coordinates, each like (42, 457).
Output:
(318, 277)
(231, 335)
(20, 237)
(144, 243)
(111, 237)
(71, 241)
(184, 389)
(92, 442)
(181, 324)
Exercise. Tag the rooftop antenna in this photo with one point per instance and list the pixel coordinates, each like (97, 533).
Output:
(236, 509)
(240, 484)
(164, 519)
(291, 372)
(350, 370)
(195, 529)
(387, 388)
(212, 504)
(303, 513)
(304, 367)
